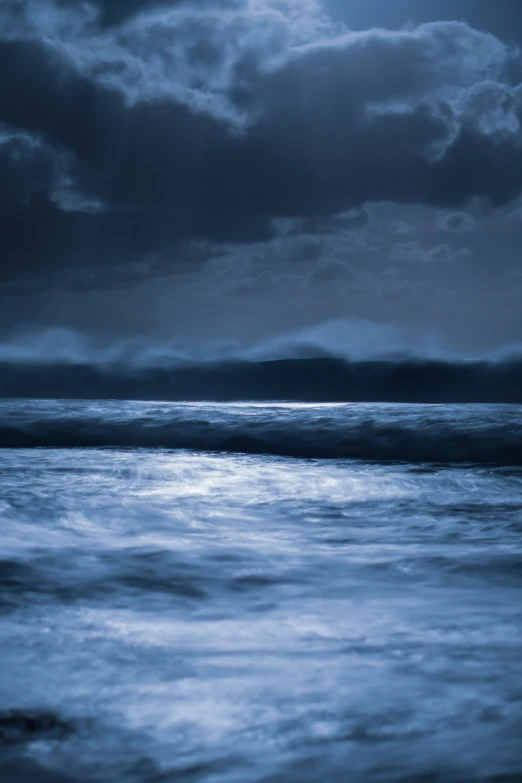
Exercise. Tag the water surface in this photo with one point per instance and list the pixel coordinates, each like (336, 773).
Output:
(264, 593)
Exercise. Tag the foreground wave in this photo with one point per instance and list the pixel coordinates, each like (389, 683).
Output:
(380, 432)
(205, 617)
(299, 379)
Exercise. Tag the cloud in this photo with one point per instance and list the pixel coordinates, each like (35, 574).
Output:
(220, 121)
(516, 214)
(351, 221)
(416, 253)
(28, 164)
(401, 227)
(492, 109)
(456, 222)
(114, 12)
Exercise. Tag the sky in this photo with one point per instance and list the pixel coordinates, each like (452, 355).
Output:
(222, 171)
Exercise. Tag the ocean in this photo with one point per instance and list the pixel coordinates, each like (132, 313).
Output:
(260, 592)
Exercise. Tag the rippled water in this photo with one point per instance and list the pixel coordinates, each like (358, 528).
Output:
(194, 615)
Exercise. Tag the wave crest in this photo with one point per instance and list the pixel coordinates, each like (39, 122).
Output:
(449, 434)
(305, 380)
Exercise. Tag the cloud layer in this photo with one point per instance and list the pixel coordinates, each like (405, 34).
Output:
(127, 128)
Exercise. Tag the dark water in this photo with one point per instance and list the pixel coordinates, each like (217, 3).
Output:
(260, 594)
(301, 375)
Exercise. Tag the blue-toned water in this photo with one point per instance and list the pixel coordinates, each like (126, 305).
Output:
(260, 593)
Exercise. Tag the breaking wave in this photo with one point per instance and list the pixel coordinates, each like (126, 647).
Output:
(337, 361)
(401, 379)
(481, 434)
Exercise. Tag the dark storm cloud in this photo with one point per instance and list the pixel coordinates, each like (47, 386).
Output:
(116, 11)
(113, 12)
(200, 121)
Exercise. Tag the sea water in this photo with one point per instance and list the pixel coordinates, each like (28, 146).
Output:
(260, 593)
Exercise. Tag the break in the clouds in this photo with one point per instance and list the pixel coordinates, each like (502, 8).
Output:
(127, 128)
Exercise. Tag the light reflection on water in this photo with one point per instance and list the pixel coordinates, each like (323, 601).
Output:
(218, 617)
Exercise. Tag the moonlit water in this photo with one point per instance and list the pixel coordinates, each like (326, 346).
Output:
(264, 593)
